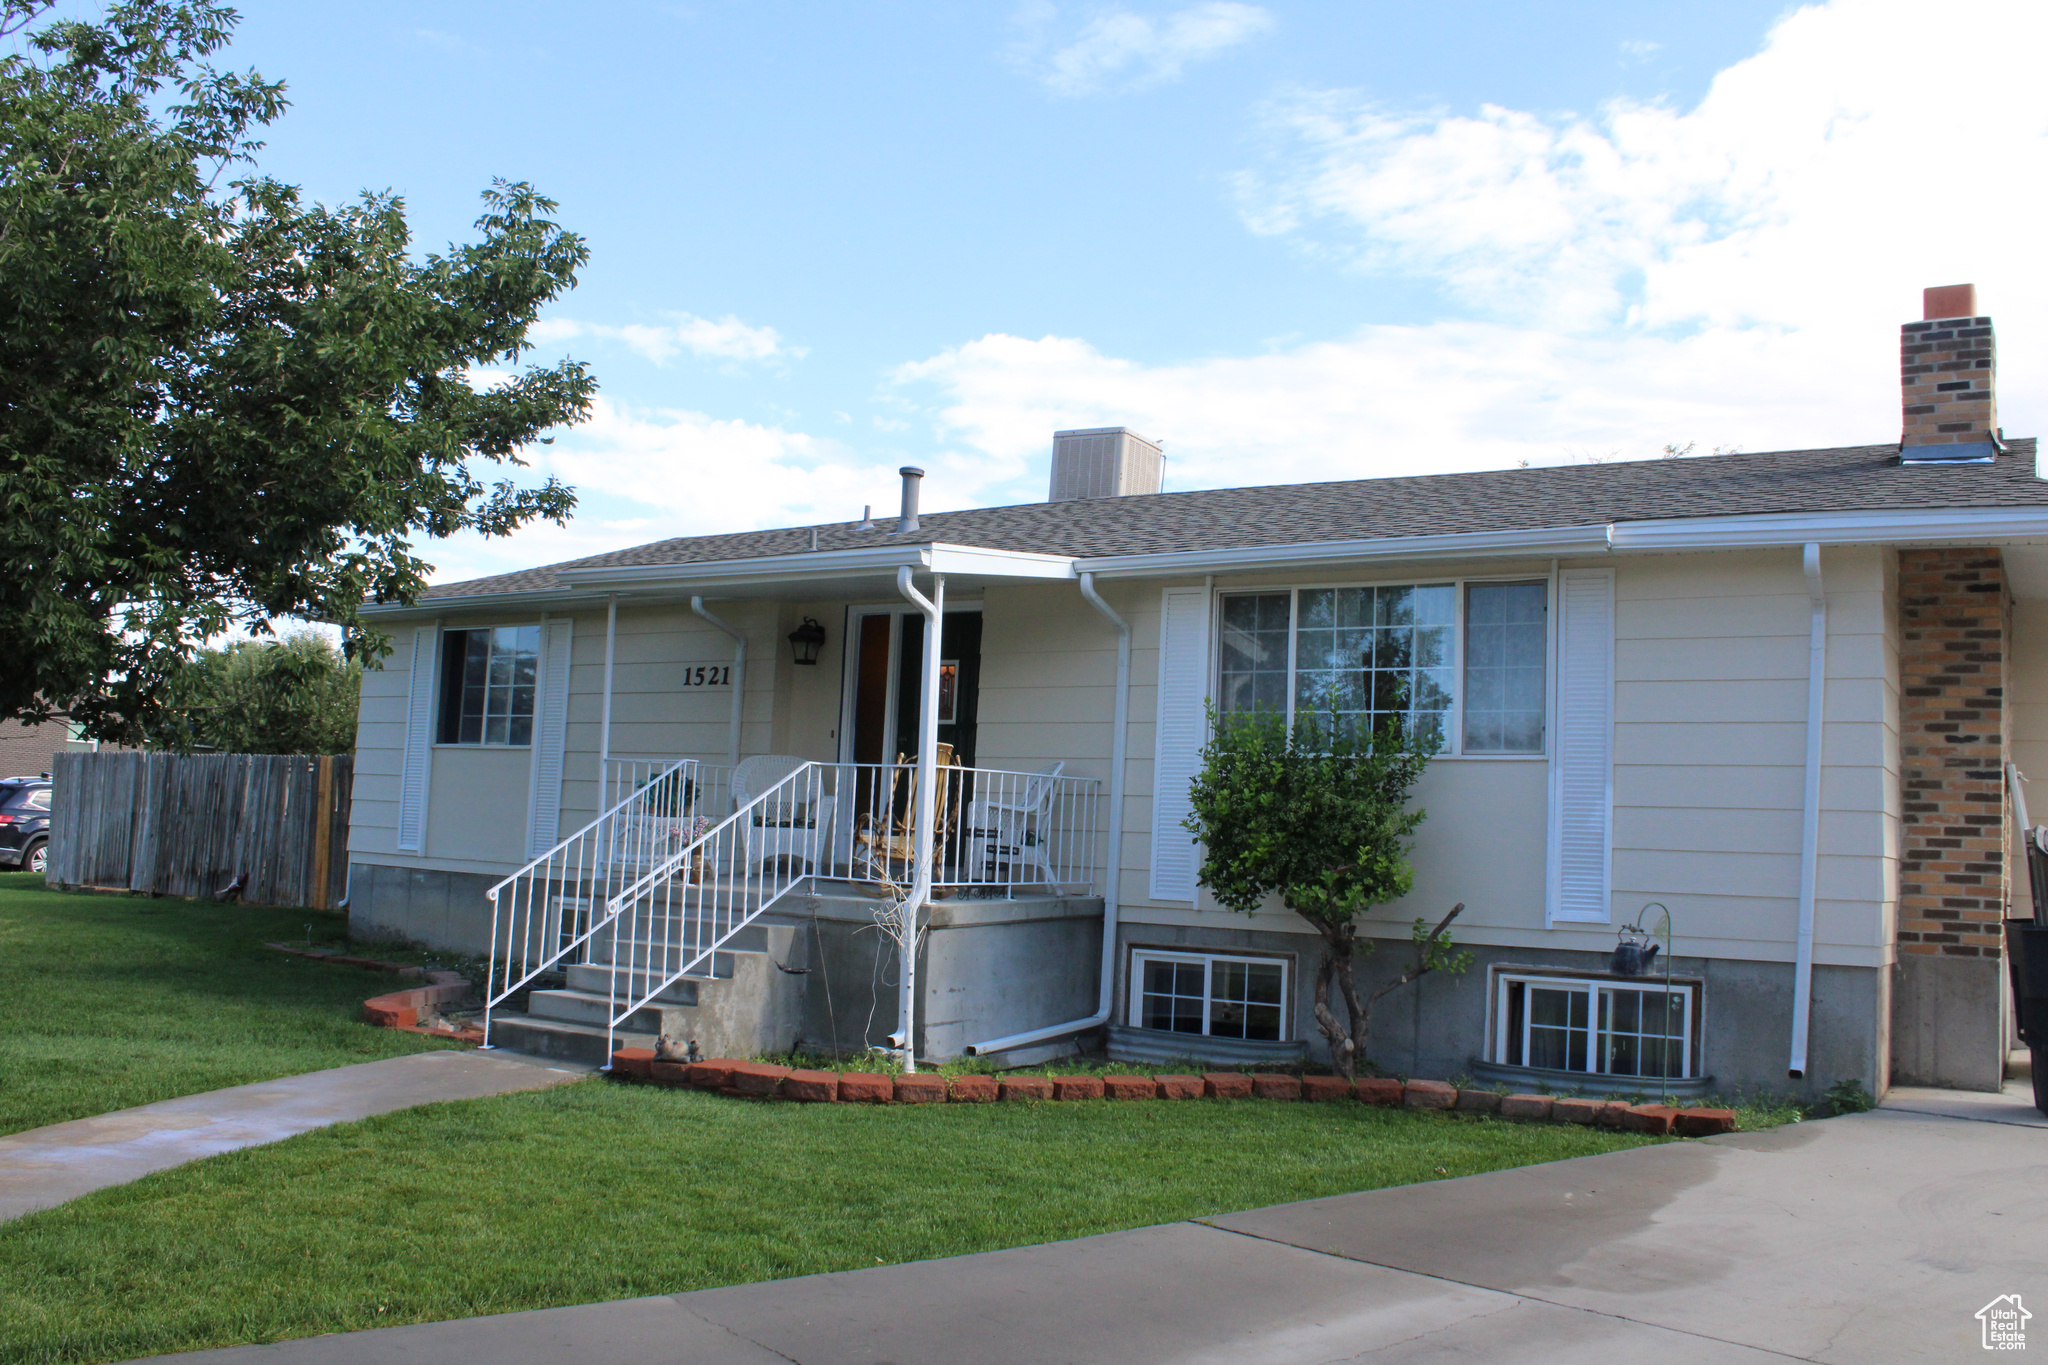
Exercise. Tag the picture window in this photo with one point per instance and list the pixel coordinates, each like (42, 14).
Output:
(488, 678)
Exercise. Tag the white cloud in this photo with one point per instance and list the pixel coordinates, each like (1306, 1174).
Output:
(1117, 50)
(1730, 275)
(726, 338)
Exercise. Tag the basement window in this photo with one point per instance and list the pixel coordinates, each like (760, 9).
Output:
(1213, 995)
(1604, 1028)
(487, 685)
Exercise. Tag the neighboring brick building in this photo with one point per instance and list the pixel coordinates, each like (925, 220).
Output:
(25, 749)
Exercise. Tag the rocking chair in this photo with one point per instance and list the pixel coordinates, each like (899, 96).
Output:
(881, 840)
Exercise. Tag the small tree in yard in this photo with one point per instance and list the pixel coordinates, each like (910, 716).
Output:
(1319, 816)
(291, 696)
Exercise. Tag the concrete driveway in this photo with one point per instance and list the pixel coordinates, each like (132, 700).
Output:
(1875, 1237)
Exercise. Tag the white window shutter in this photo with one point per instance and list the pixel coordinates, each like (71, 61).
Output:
(418, 767)
(550, 738)
(1181, 727)
(1582, 760)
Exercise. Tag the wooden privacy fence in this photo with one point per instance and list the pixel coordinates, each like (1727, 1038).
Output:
(192, 824)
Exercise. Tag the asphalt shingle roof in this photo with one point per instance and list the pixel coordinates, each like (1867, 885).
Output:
(1840, 479)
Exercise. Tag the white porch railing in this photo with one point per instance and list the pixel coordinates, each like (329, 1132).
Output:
(664, 878)
(997, 830)
(548, 909)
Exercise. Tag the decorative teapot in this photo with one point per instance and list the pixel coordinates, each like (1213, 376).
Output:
(1634, 951)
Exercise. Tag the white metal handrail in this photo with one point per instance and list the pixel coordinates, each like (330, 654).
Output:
(672, 920)
(663, 879)
(543, 912)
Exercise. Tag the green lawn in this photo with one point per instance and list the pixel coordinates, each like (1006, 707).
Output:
(598, 1191)
(111, 1001)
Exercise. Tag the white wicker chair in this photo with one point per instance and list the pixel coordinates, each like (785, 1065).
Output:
(1011, 826)
(775, 835)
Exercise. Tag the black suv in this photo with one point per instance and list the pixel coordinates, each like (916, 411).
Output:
(24, 822)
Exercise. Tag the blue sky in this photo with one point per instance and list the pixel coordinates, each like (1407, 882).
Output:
(1290, 240)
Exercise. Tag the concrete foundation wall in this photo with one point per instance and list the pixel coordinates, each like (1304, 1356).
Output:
(1949, 1022)
(1437, 1026)
(987, 969)
(446, 910)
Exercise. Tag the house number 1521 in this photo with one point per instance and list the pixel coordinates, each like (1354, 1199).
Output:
(708, 675)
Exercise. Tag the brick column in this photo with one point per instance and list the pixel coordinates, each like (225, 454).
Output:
(1953, 627)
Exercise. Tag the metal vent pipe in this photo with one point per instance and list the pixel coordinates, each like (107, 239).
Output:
(912, 477)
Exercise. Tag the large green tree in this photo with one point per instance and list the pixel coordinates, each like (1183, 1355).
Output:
(1318, 815)
(219, 403)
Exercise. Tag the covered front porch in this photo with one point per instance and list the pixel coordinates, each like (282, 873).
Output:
(868, 796)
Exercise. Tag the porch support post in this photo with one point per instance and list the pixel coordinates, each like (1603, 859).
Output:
(604, 724)
(934, 609)
(739, 677)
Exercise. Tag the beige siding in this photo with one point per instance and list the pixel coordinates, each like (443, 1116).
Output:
(1710, 737)
(1710, 696)
(380, 750)
(477, 807)
(653, 715)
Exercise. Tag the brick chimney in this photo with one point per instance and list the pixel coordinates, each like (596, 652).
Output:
(1948, 369)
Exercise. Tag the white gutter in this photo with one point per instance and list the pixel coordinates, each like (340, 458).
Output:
(1113, 871)
(826, 565)
(810, 564)
(739, 676)
(604, 725)
(970, 560)
(1809, 829)
(934, 609)
(1543, 541)
(436, 607)
(1903, 526)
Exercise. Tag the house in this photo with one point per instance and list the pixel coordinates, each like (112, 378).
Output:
(1772, 707)
(26, 750)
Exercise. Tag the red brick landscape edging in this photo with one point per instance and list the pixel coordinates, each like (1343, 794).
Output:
(762, 1080)
(401, 1009)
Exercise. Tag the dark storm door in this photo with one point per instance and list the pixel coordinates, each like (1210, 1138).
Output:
(888, 686)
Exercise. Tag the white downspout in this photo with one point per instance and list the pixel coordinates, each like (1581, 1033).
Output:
(1112, 873)
(739, 677)
(604, 724)
(934, 609)
(1809, 832)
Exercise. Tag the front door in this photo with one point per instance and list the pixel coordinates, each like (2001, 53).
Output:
(887, 684)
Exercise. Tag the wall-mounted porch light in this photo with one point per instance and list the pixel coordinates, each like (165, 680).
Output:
(806, 640)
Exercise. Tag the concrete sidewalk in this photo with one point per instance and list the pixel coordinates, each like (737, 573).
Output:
(1875, 1237)
(44, 1167)
(2013, 1104)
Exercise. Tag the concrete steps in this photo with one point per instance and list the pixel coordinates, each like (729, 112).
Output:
(711, 1006)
